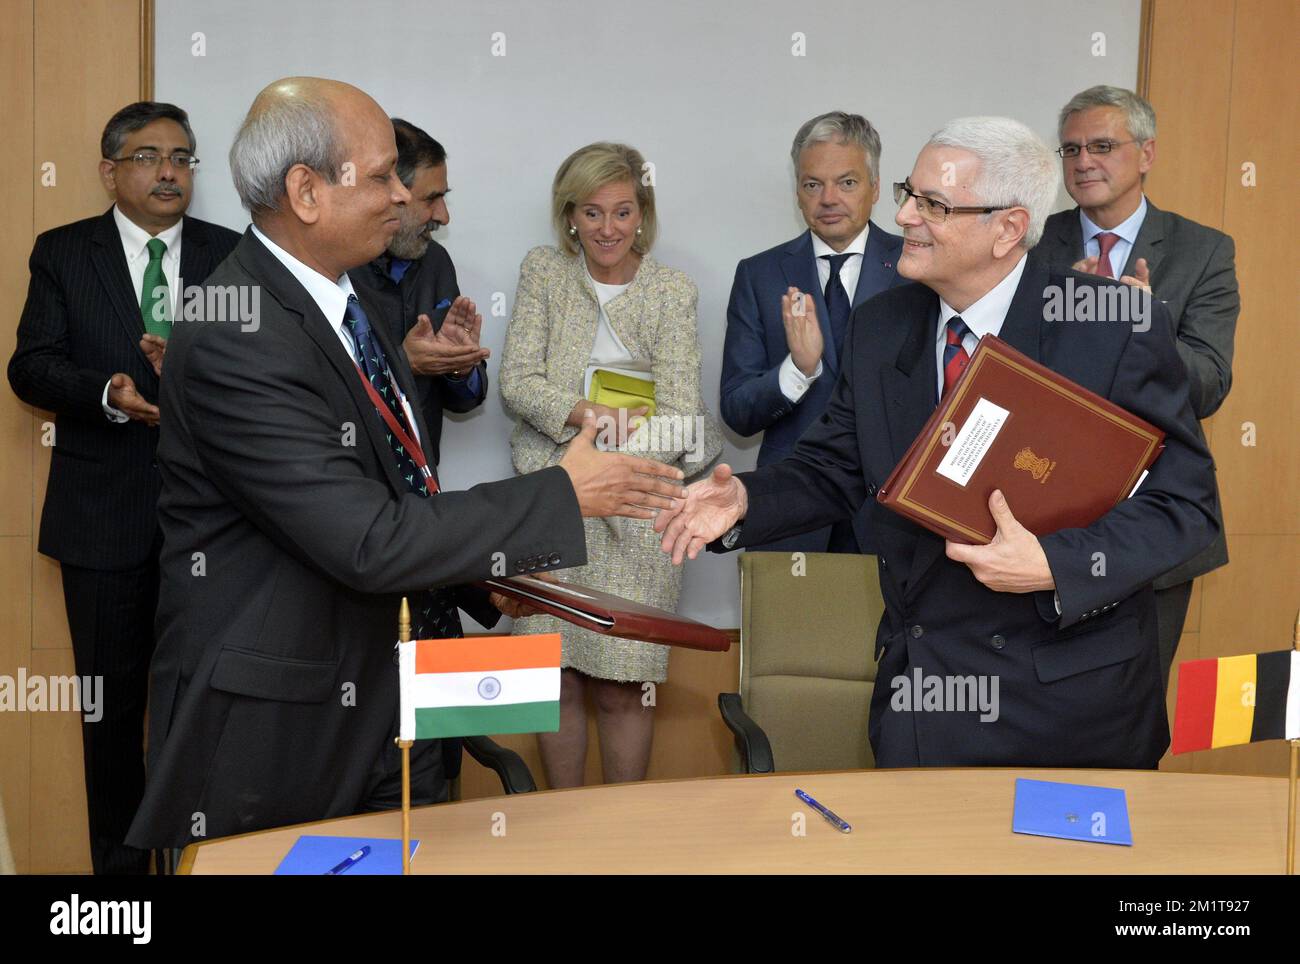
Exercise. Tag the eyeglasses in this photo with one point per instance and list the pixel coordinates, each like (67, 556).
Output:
(931, 209)
(1092, 147)
(149, 159)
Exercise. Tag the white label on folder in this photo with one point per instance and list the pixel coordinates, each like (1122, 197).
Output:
(973, 441)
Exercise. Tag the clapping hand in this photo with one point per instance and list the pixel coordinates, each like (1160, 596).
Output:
(803, 335)
(451, 350)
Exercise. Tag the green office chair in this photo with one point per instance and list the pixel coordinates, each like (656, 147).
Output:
(807, 638)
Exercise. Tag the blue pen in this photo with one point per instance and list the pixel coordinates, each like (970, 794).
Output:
(831, 817)
(349, 861)
(445, 303)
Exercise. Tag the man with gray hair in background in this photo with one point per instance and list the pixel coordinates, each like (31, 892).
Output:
(1108, 145)
(298, 507)
(1070, 647)
(781, 360)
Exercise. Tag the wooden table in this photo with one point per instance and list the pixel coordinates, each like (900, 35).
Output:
(904, 821)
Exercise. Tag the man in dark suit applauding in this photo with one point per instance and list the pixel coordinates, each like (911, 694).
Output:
(780, 364)
(1108, 144)
(298, 506)
(99, 309)
(1067, 645)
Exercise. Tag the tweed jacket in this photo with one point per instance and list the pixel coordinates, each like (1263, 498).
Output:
(548, 347)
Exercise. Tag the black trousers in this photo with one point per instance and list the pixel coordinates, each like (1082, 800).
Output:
(1171, 613)
(111, 619)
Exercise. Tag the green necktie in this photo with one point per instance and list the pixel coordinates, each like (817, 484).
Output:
(155, 305)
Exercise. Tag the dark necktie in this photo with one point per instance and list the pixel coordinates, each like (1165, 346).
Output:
(955, 358)
(433, 612)
(1105, 241)
(837, 299)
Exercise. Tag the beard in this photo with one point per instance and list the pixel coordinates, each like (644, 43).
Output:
(410, 242)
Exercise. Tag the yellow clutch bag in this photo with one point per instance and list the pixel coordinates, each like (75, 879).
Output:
(621, 391)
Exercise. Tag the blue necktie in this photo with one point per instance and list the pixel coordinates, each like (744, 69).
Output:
(837, 299)
(433, 614)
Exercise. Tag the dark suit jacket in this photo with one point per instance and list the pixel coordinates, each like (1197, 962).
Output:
(751, 397)
(80, 326)
(289, 538)
(1192, 272)
(1079, 690)
(426, 284)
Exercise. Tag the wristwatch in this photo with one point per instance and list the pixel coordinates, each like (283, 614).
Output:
(732, 536)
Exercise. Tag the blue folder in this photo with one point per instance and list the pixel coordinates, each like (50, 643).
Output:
(317, 855)
(1073, 811)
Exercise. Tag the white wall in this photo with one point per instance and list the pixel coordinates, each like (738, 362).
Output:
(709, 92)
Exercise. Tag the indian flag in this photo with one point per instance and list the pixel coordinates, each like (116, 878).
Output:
(480, 686)
(1237, 699)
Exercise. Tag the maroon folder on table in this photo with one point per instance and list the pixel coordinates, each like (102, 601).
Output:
(1062, 455)
(612, 615)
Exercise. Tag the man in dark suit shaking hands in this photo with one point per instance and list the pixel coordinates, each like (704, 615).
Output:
(90, 343)
(298, 507)
(1061, 626)
(1108, 144)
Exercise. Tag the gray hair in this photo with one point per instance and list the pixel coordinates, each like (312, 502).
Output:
(275, 136)
(841, 128)
(1016, 168)
(1139, 118)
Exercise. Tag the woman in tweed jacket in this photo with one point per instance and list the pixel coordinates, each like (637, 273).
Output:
(600, 297)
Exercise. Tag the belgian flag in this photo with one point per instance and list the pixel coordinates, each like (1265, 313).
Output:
(1237, 699)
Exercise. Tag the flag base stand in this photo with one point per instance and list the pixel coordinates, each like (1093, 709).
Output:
(404, 636)
(406, 802)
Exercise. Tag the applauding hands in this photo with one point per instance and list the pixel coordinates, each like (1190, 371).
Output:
(451, 350)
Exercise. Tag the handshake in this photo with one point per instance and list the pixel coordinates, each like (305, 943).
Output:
(615, 484)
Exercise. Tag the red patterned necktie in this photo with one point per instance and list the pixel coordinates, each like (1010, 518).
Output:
(955, 358)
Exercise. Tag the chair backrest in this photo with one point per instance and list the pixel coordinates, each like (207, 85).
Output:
(807, 643)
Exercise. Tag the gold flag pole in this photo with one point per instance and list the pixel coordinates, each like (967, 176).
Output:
(1295, 759)
(404, 636)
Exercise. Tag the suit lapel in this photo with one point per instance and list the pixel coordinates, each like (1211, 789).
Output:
(1149, 241)
(800, 270)
(877, 266)
(1067, 246)
(110, 265)
(909, 400)
(284, 288)
(196, 263)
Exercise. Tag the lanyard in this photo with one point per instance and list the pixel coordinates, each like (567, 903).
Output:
(410, 444)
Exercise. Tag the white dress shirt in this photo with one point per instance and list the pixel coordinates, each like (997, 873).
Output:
(1127, 230)
(135, 240)
(984, 317)
(794, 383)
(331, 298)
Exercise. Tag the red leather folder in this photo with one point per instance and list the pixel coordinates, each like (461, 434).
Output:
(1062, 455)
(612, 615)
